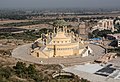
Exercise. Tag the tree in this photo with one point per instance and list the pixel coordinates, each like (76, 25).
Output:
(102, 33)
(6, 72)
(20, 69)
(31, 69)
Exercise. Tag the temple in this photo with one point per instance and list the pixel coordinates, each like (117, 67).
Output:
(62, 42)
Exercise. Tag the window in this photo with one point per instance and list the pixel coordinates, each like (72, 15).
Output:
(53, 41)
(37, 54)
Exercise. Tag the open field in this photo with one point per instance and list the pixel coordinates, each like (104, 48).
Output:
(13, 21)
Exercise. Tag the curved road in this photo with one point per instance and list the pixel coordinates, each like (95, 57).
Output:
(23, 53)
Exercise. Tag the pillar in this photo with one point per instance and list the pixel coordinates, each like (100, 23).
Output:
(65, 29)
(54, 51)
(54, 30)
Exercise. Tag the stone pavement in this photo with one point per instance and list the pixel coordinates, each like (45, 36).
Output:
(23, 53)
(89, 76)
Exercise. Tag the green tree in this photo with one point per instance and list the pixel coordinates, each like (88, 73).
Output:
(102, 33)
(31, 69)
(5, 72)
(20, 69)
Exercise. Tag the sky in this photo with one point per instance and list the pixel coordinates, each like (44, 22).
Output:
(59, 3)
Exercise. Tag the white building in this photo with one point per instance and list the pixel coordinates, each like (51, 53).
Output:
(105, 24)
(118, 42)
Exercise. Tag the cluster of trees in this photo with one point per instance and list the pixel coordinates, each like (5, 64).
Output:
(22, 72)
(5, 73)
(85, 18)
(97, 33)
(43, 21)
(29, 35)
(11, 29)
(117, 25)
(14, 17)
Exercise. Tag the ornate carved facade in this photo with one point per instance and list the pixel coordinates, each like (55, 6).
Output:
(60, 43)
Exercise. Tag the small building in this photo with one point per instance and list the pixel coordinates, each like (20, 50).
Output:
(105, 24)
(118, 42)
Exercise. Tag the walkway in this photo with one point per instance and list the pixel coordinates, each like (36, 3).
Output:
(89, 76)
(23, 53)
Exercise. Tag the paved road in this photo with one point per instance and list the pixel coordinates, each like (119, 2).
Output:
(23, 53)
(89, 76)
(97, 50)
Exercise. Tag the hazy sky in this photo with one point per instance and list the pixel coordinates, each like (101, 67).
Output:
(58, 3)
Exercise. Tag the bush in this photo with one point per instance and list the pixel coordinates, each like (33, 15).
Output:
(102, 33)
(6, 72)
(20, 69)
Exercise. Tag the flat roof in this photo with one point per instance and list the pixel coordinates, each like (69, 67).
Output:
(90, 68)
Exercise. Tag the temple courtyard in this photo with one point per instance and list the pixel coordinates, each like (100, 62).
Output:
(23, 53)
(72, 53)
